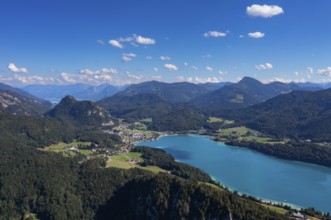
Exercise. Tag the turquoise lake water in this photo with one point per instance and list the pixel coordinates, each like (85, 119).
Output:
(250, 172)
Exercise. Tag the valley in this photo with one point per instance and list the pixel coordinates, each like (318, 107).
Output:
(107, 133)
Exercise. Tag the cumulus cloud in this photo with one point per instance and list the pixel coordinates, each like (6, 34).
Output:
(103, 71)
(171, 67)
(267, 66)
(134, 40)
(156, 69)
(149, 58)
(67, 77)
(214, 34)
(204, 80)
(133, 76)
(158, 77)
(12, 67)
(265, 11)
(144, 40)
(115, 43)
(164, 58)
(326, 71)
(256, 35)
(310, 72)
(127, 57)
(89, 76)
(209, 68)
(34, 79)
(222, 72)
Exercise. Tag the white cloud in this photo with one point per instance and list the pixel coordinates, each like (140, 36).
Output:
(185, 64)
(195, 67)
(134, 40)
(296, 73)
(267, 66)
(158, 77)
(265, 11)
(144, 40)
(149, 58)
(326, 71)
(256, 35)
(214, 34)
(164, 58)
(127, 57)
(115, 43)
(171, 67)
(103, 71)
(310, 72)
(222, 72)
(126, 39)
(133, 76)
(204, 80)
(209, 68)
(156, 69)
(12, 67)
(66, 77)
(34, 79)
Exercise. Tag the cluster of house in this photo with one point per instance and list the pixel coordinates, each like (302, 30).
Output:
(129, 137)
(133, 161)
(99, 150)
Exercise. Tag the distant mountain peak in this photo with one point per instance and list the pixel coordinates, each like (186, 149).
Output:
(69, 99)
(249, 80)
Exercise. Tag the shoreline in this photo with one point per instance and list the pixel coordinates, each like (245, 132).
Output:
(281, 204)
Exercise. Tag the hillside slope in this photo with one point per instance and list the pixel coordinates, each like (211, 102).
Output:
(246, 92)
(79, 112)
(299, 114)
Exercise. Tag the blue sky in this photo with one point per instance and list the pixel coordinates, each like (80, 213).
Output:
(129, 41)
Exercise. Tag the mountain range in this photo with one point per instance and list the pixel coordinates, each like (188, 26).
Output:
(246, 92)
(170, 92)
(17, 101)
(55, 93)
(299, 115)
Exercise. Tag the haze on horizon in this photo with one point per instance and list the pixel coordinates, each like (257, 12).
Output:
(124, 42)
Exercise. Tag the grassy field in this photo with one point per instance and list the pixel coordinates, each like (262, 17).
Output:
(147, 120)
(120, 161)
(219, 120)
(60, 146)
(236, 131)
(275, 208)
(211, 185)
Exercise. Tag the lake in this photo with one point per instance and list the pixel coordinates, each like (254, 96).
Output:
(253, 173)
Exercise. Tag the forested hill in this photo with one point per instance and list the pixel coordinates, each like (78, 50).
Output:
(165, 116)
(299, 114)
(17, 101)
(170, 92)
(79, 112)
(56, 187)
(245, 93)
(136, 106)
